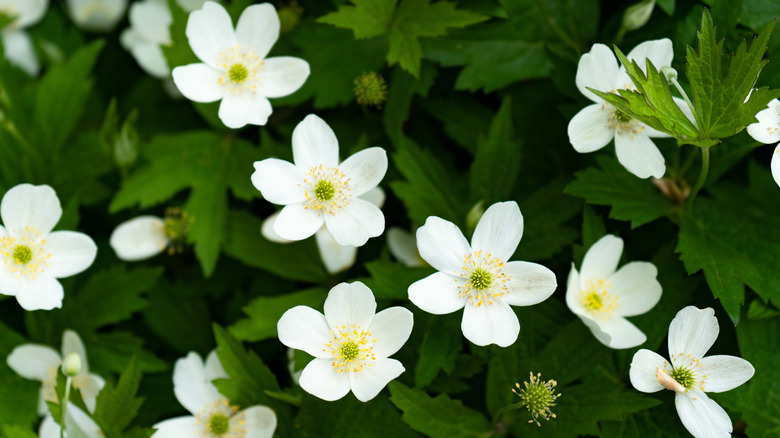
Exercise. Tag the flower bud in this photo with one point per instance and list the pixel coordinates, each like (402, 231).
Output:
(71, 366)
(474, 215)
(637, 15)
(669, 73)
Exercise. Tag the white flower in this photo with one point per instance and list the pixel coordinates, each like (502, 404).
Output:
(335, 257)
(596, 125)
(40, 362)
(317, 190)
(17, 44)
(691, 375)
(235, 68)
(97, 15)
(602, 297)
(479, 277)
(350, 344)
(33, 256)
(77, 424)
(767, 131)
(403, 246)
(139, 238)
(212, 414)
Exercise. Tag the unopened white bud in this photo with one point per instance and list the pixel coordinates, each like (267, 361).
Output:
(71, 366)
(638, 15)
(669, 73)
(474, 215)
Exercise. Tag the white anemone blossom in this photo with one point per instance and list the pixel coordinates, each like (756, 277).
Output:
(77, 424)
(96, 15)
(139, 238)
(319, 190)
(596, 125)
(691, 375)
(33, 256)
(767, 131)
(350, 343)
(335, 257)
(212, 414)
(17, 44)
(478, 277)
(41, 362)
(602, 297)
(234, 66)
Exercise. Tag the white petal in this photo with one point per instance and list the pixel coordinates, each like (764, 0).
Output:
(214, 368)
(20, 52)
(369, 382)
(139, 238)
(9, 282)
(79, 424)
(702, 416)
(90, 386)
(391, 328)
(355, 223)
(49, 428)
(210, 31)
(297, 223)
(279, 181)
(639, 155)
(644, 365)
(375, 196)
(621, 333)
(530, 283)
(403, 246)
(192, 387)
(636, 287)
(490, 324)
(767, 130)
(442, 245)
(776, 165)
(33, 361)
(267, 229)
(26, 205)
(28, 12)
(96, 15)
(314, 144)
(151, 20)
(259, 422)
(724, 373)
(198, 82)
(659, 52)
(178, 427)
(499, 230)
(594, 327)
(692, 331)
(282, 75)
(601, 260)
(71, 253)
(335, 257)
(151, 59)
(239, 110)
(437, 294)
(573, 292)
(304, 328)
(348, 304)
(43, 293)
(72, 343)
(258, 28)
(365, 169)
(321, 379)
(589, 129)
(597, 69)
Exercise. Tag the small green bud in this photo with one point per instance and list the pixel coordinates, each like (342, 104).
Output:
(638, 15)
(474, 215)
(370, 89)
(126, 143)
(71, 366)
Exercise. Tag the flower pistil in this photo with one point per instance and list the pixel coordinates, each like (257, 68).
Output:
(482, 278)
(352, 348)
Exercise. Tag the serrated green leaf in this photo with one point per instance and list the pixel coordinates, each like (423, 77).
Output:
(368, 18)
(545, 213)
(759, 310)
(632, 199)
(441, 344)
(391, 279)
(437, 417)
(403, 88)
(111, 351)
(264, 312)
(350, 418)
(18, 432)
(117, 404)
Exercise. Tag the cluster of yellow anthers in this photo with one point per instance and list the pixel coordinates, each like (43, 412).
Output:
(482, 278)
(351, 348)
(597, 299)
(49, 385)
(538, 397)
(683, 377)
(326, 189)
(216, 417)
(621, 122)
(25, 256)
(240, 67)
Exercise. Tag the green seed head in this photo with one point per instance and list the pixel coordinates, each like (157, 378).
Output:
(22, 254)
(238, 73)
(480, 279)
(684, 377)
(219, 424)
(324, 190)
(538, 397)
(370, 89)
(622, 117)
(350, 350)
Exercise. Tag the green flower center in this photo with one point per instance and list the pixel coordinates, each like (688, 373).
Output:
(350, 350)
(22, 254)
(593, 301)
(219, 424)
(238, 73)
(622, 117)
(684, 377)
(324, 190)
(538, 397)
(480, 279)
(370, 89)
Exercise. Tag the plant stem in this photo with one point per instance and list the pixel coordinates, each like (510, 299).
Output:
(65, 406)
(685, 96)
(705, 168)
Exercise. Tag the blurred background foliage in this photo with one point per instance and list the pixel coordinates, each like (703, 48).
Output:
(479, 97)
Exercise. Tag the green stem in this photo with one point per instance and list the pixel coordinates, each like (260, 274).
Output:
(705, 168)
(65, 406)
(682, 93)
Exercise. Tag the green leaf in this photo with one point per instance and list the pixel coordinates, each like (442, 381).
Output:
(117, 405)
(440, 345)
(758, 13)
(403, 88)
(368, 18)
(545, 213)
(264, 313)
(632, 199)
(350, 418)
(178, 52)
(179, 315)
(18, 432)
(19, 397)
(437, 417)
(391, 279)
